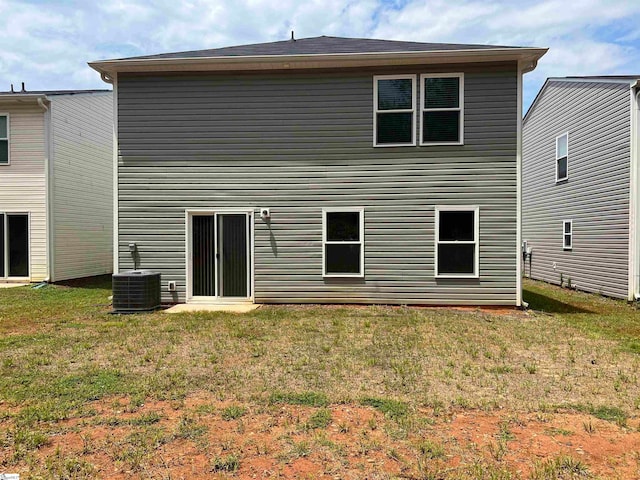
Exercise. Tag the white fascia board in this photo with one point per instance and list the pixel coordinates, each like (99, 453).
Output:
(332, 60)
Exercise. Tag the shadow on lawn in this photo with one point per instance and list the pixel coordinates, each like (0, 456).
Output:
(538, 301)
(99, 282)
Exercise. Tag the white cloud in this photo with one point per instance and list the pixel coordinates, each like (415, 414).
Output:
(47, 44)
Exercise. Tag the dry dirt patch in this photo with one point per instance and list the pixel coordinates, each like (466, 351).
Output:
(202, 437)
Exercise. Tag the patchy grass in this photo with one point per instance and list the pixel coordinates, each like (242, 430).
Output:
(391, 408)
(232, 412)
(64, 360)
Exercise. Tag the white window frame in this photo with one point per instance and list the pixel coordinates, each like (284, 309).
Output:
(564, 224)
(359, 210)
(413, 110)
(558, 179)
(7, 138)
(475, 241)
(460, 107)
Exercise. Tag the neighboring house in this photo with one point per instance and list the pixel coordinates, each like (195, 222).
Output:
(56, 184)
(325, 169)
(580, 184)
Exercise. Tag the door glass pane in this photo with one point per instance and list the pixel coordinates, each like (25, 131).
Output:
(18, 237)
(442, 92)
(395, 94)
(203, 260)
(456, 259)
(342, 258)
(457, 225)
(4, 151)
(394, 128)
(2, 272)
(343, 226)
(441, 126)
(234, 259)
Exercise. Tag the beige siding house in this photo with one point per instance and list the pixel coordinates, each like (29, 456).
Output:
(55, 185)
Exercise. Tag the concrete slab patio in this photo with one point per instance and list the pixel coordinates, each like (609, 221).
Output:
(11, 285)
(213, 307)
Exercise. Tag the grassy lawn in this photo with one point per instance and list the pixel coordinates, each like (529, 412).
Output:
(307, 391)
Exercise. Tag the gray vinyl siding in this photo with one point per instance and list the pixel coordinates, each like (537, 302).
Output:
(300, 142)
(596, 194)
(82, 185)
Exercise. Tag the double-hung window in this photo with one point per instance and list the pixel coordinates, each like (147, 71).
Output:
(343, 242)
(562, 157)
(4, 139)
(394, 106)
(457, 242)
(567, 234)
(442, 109)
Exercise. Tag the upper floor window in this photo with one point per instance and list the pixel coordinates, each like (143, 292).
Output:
(562, 157)
(394, 110)
(442, 108)
(4, 139)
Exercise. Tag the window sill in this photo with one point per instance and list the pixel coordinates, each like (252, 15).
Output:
(457, 276)
(383, 145)
(567, 249)
(562, 180)
(343, 275)
(440, 144)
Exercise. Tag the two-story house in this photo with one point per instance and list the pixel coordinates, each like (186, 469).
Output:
(56, 185)
(580, 184)
(329, 170)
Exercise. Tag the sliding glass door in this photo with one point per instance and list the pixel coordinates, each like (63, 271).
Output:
(220, 255)
(14, 245)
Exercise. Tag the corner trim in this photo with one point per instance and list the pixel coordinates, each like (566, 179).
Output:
(519, 191)
(633, 287)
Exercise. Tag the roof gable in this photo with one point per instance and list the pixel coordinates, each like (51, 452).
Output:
(586, 80)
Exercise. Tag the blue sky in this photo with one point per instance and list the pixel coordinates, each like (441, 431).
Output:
(47, 43)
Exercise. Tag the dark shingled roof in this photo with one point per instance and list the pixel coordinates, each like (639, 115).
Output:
(613, 77)
(319, 46)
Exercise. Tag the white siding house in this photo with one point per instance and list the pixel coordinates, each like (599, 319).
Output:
(56, 219)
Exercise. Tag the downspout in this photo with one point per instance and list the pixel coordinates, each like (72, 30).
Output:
(634, 207)
(523, 67)
(48, 179)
